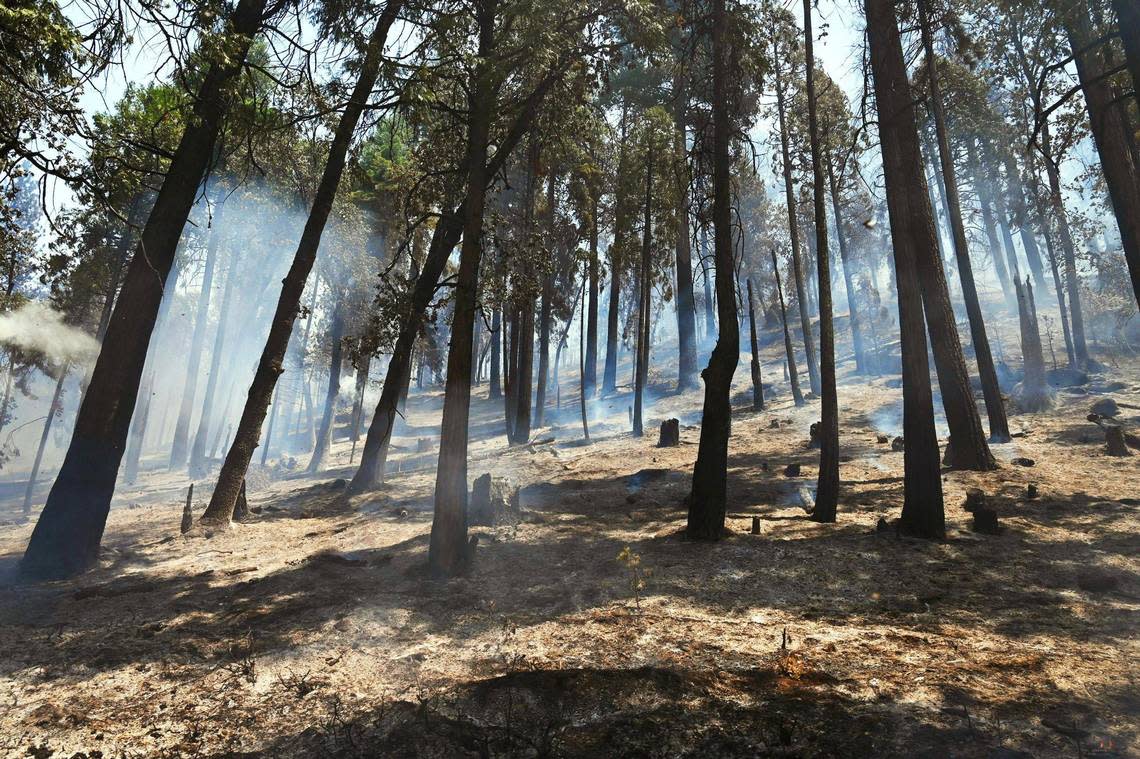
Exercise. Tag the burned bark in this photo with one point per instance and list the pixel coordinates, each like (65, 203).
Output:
(912, 228)
(707, 501)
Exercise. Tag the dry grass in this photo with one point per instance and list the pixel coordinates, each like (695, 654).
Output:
(314, 631)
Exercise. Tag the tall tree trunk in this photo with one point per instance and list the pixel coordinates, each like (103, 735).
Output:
(848, 280)
(496, 390)
(328, 417)
(912, 227)
(198, 451)
(591, 368)
(609, 373)
(789, 349)
(232, 475)
(641, 368)
(67, 536)
(1110, 133)
(995, 409)
(545, 323)
(179, 449)
(1051, 249)
(1077, 322)
(525, 374)
(510, 398)
(710, 319)
(827, 487)
(757, 379)
(686, 318)
(986, 203)
(448, 550)
(1021, 217)
(707, 501)
(582, 329)
(1128, 21)
(794, 234)
(53, 409)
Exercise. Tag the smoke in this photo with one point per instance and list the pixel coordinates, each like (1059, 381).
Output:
(36, 328)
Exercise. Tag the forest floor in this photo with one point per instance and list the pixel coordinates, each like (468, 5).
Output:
(314, 630)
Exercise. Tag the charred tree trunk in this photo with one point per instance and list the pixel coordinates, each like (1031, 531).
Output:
(524, 377)
(912, 227)
(609, 373)
(67, 536)
(336, 355)
(1077, 322)
(641, 367)
(686, 317)
(448, 550)
(591, 369)
(225, 495)
(789, 349)
(794, 233)
(827, 489)
(1111, 134)
(512, 374)
(1032, 393)
(995, 409)
(1021, 217)
(496, 390)
(848, 279)
(1128, 21)
(179, 449)
(544, 327)
(757, 380)
(582, 329)
(986, 204)
(707, 501)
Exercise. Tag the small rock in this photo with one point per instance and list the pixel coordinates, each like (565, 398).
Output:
(792, 470)
(1023, 461)
(882, 439)
(338, 484)
(898, 444)
(774, 424)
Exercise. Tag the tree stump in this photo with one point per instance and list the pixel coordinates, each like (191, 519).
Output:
(1114, 438)
(985, 517)
(755, 526)
(494, 502)
(187, 512)
(813, 433)
(1105, 407)
(898, 444)
(792, 470)
(670, 435)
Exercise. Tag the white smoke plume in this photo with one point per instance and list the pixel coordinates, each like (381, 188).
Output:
(37, 328)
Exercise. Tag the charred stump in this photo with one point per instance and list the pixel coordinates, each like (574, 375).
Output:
(670, 435)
